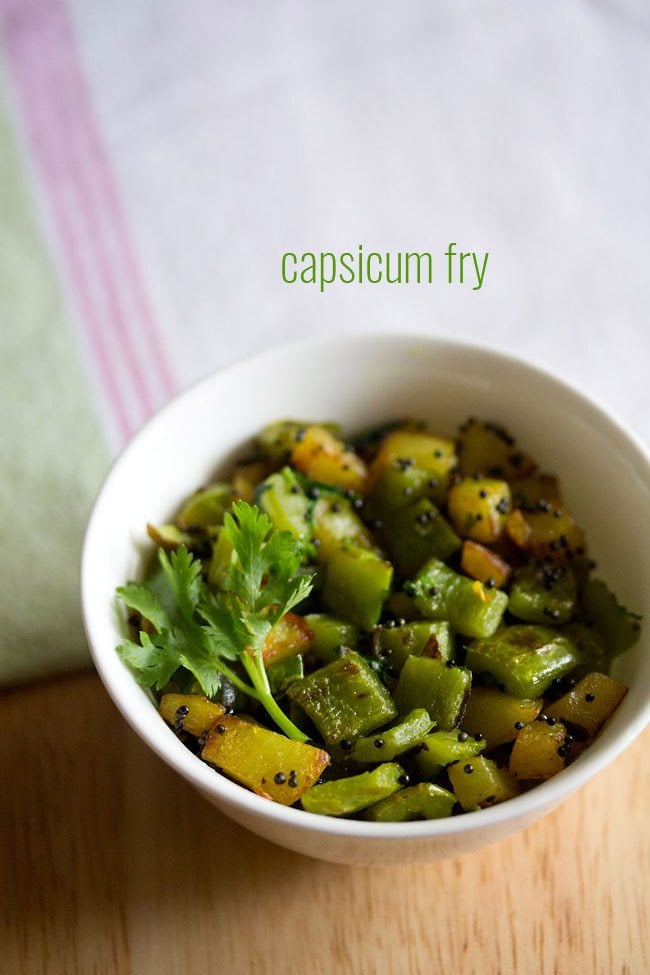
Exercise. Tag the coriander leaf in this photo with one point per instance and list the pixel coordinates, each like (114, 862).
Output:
(283, 553)
(262, 581)
(301, 588)
(226, 632)
(283, 556)
(183, 573)
(146, 602)
(267, 561)
(203, 668)
(247, 529)
(195, 653)
(154, 660)
(180, 640)
(258, 628)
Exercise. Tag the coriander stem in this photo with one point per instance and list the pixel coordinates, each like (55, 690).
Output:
(237, 681)
(257, 674)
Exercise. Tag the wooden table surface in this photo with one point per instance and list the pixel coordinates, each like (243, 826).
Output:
(110, 863)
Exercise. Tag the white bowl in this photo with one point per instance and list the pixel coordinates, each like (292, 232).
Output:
(604, 470)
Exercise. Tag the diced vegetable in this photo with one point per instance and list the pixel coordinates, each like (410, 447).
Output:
(168, 537)
(543, 592)
(417, 533)
(282, 498)
(619, 628)
(265, 761)
(481, 783)
(278, 439)
(248, 476)
(344, 700)
(591, 646)
(223, 555)
(546, 534)
(497, 716)
(206, 507)
(368, 441)
(336, 522)
(483, 564)
(399, 484)
(589, 704)
(344, 796)
(539, 751)
(524, 659)
(529, 491)
(432, 684)
(356, 585)
(421, 639)
(444, 747)
(489, 450)
(283, 673)
(190, 712)
(320, 455)
(478, 508)
(329, 635)
(384, 746)
(468, 606)
(421, 801)
(290, 636)
(403, 607)
(434, 454)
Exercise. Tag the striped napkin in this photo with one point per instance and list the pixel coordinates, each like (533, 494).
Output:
(82, 365)
(157, 159)
(53, 450)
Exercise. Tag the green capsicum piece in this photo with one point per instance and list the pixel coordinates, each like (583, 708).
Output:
(470, 608)
(591, 646)
(344, 796)
(525, 660)
(444, 747)
(329, 635)
(285, 502)
(282, 674)
(390, 742)
(399, 485)
(344, 700)
(416, 533)
(619, 628)
(424, 638)
(426, 682)
(207, 507)
(543, 592)
(421, 801)
(356, 585)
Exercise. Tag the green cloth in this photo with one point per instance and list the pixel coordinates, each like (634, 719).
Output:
(52, 451)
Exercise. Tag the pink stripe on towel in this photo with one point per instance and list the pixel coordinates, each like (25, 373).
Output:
(87, 218)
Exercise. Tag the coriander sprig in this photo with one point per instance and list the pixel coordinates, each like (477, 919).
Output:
(204, 631)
